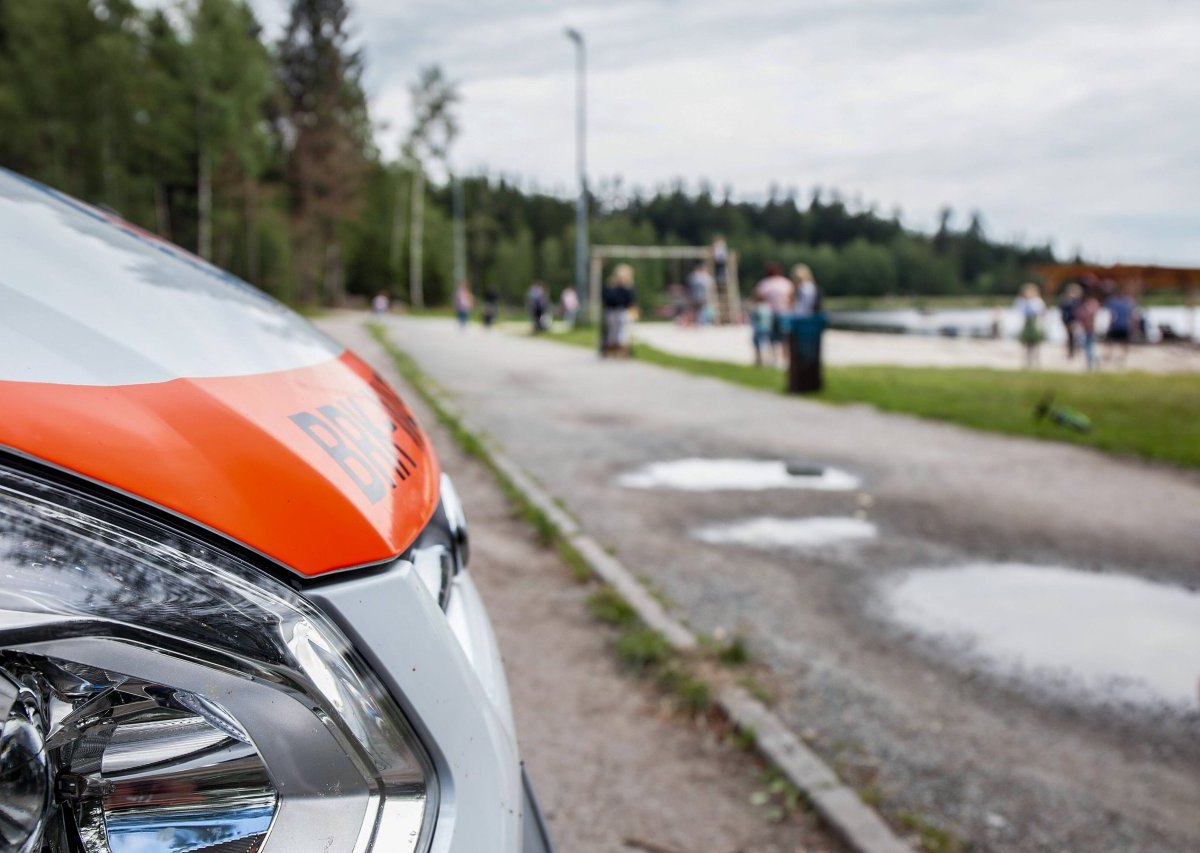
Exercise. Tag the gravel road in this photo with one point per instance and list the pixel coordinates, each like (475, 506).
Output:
(612, 762)
(1006, 759)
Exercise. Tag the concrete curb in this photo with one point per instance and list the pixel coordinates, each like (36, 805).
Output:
(859, 826)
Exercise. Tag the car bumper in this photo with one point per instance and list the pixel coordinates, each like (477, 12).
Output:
(535, 837)
(444, 671)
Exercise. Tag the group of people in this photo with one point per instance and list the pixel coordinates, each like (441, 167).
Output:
(1079, 309)
(776, 301)
(464, 305)
(540, 308)
(538, 304)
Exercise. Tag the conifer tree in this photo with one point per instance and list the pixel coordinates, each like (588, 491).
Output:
(326, 133)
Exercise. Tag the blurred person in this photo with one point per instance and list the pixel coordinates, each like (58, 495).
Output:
(760, 330)
(779, 293)
(1085, 318)
(380, 303)
(464, 302)
(570, 306)
(619, 300)
(997, 325)
(1067, 307)
(1121, 309)
(491, 306)
(808, 295)
(1031, 307)
(720, 257)
(677, 294)
(536, 303)
(699, 284)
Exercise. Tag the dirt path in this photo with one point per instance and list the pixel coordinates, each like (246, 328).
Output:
(610, 759)
(1006, 761)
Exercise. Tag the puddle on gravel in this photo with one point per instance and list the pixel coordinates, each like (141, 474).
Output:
(712, 475)
(799, 533)
(1118, 636)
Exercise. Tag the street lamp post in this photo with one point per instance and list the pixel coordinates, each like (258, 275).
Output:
(459, 230)
(581, 206)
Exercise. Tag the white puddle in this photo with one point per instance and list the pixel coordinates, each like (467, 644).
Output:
(799, 533)
(1116, 635)
(712, 475)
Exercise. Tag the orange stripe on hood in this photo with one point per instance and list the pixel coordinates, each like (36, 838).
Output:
(320, 467)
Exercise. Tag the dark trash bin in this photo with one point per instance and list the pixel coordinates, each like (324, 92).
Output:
(804, 367)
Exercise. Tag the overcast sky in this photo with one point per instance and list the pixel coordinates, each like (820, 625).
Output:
(1072, 121)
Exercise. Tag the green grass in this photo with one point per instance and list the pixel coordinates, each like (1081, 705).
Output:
(578, 337)
(692, 693)
(758, 690)
(933, 839)
(1148, 415)
(609, 606)
(745, 739)
(1155, 416)
(778, 796)
(734, 653)
(642, 649)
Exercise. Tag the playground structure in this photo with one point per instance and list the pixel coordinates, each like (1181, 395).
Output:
(723, 295)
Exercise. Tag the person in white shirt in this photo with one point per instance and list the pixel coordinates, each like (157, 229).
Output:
(570, 306)
(779, 293)
(1031, 307)
(808, 297)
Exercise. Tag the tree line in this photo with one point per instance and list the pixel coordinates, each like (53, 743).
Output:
(260, 157)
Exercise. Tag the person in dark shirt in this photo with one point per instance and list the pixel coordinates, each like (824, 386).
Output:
(619, 300)
(1121, 308)
(1068, 306)
(537, 301)
(491, 306)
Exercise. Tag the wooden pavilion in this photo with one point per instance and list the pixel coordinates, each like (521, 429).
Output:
(1185, 280)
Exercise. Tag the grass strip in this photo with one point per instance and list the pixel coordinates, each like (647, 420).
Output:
(1153, 416)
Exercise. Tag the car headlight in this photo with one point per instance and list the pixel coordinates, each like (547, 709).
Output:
(160, 694)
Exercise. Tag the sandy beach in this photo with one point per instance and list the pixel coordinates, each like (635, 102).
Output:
(732, 344)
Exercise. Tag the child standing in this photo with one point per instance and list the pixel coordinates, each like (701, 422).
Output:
(1031, 307)
(761, 319)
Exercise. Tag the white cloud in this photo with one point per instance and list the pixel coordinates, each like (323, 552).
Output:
(1071, 120)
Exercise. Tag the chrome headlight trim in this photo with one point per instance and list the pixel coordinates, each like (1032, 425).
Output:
(25, 774)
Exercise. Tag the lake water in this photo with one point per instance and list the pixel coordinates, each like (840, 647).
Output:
(977, 322)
